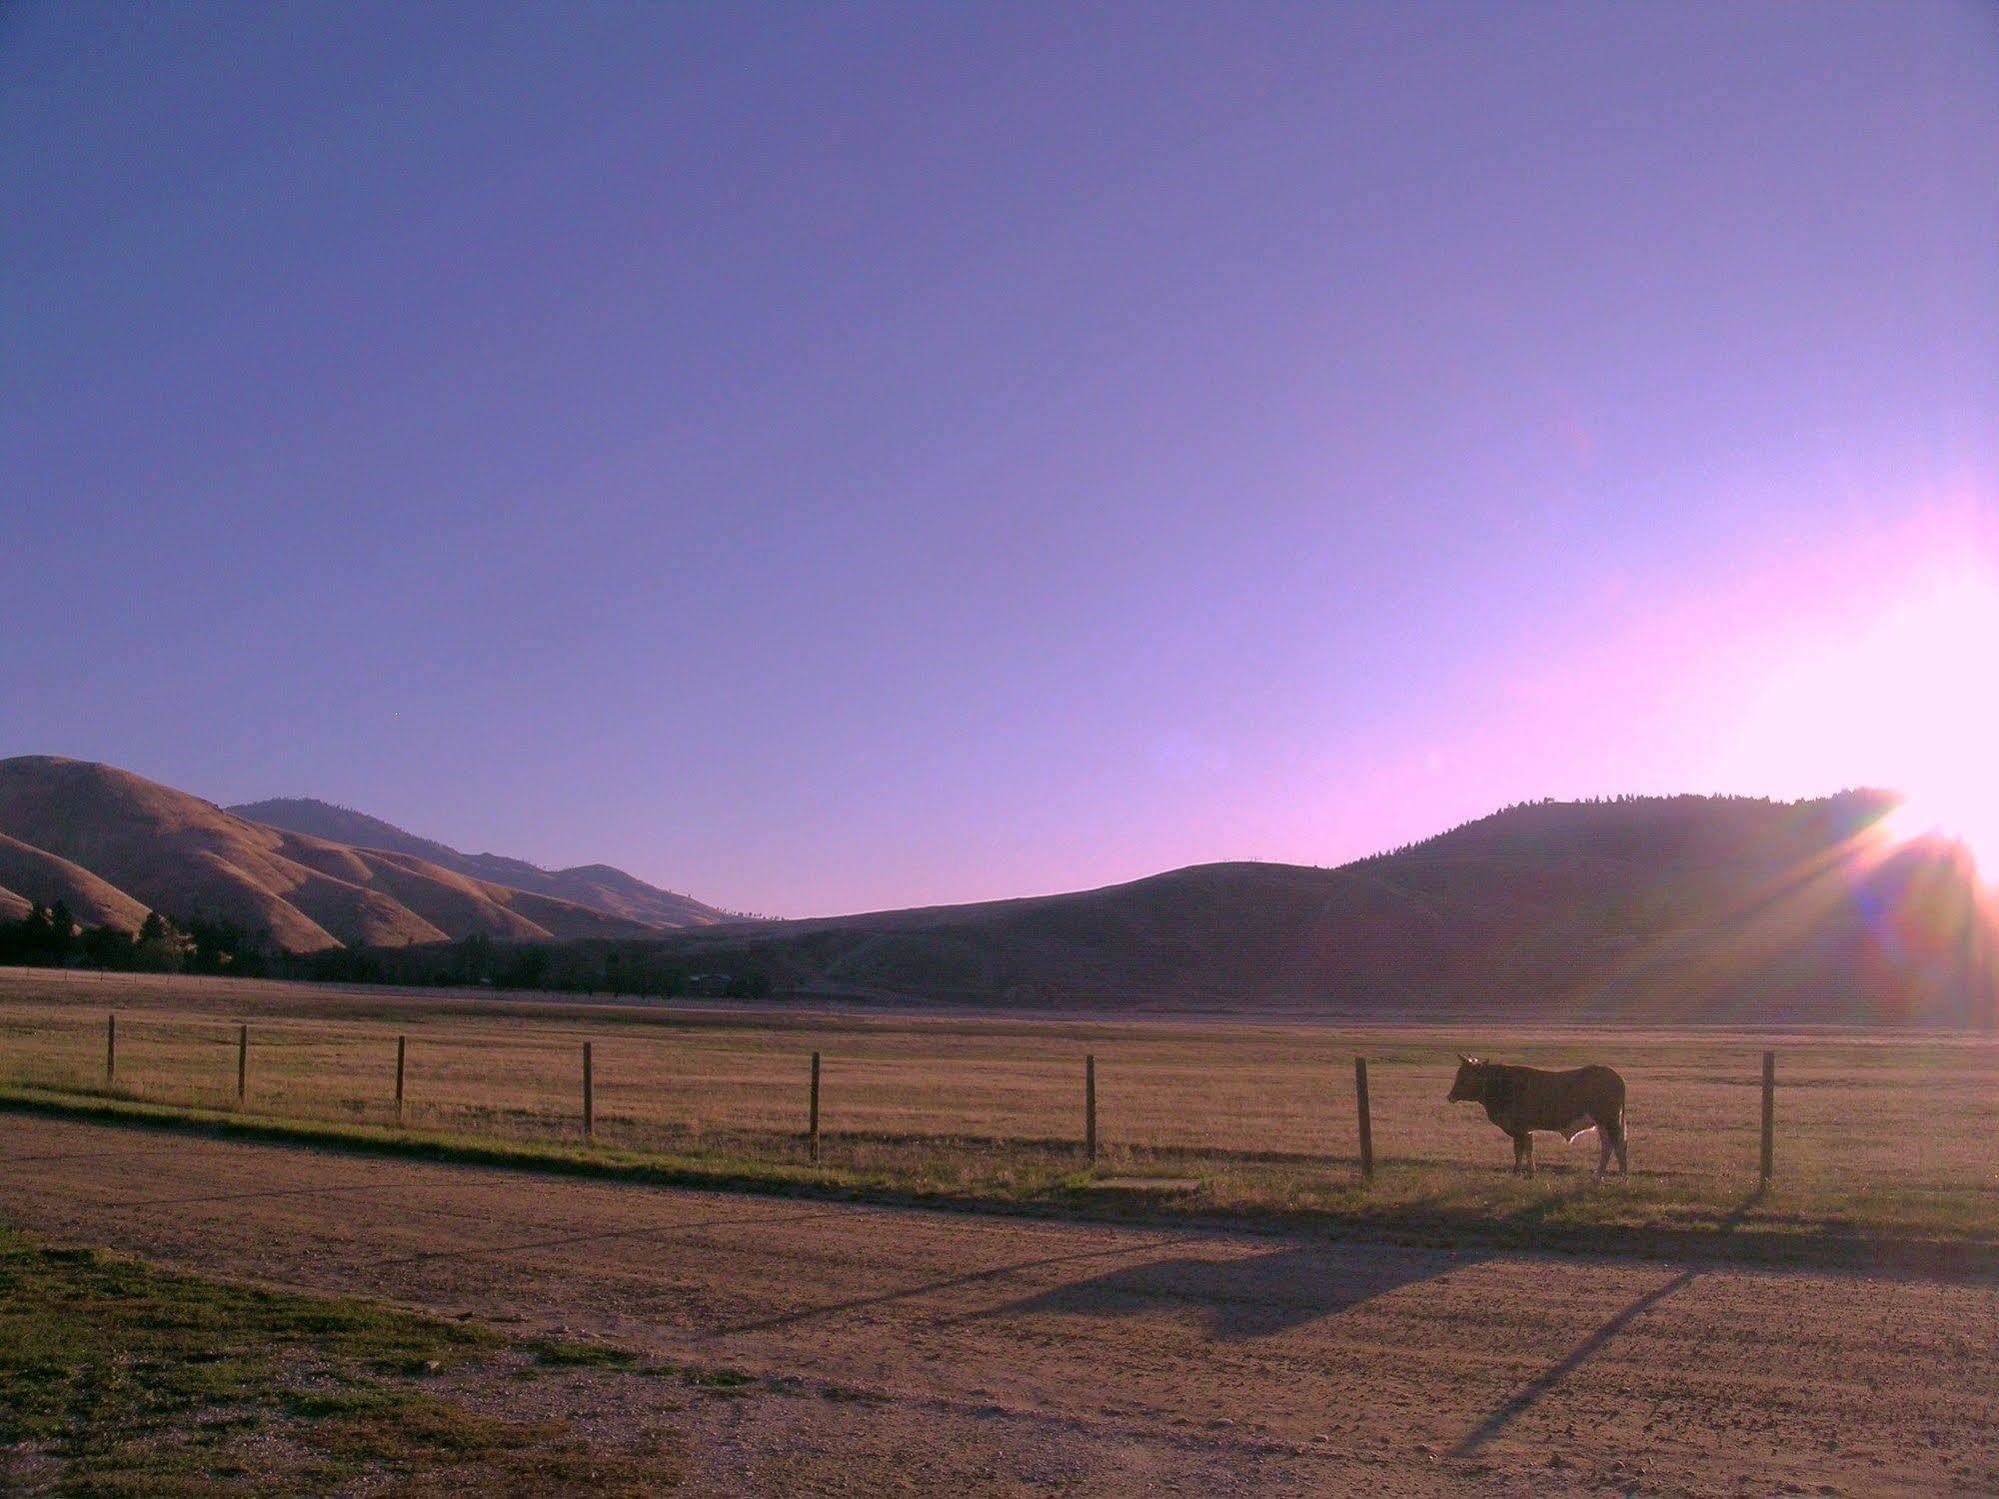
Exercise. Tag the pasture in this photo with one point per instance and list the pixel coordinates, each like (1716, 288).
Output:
(1877, 1132)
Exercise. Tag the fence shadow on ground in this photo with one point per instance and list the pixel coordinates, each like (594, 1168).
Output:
(1241, 1297)
(1545, 1383)
(926, 1288)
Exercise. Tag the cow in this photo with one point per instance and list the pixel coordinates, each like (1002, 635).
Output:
(1521, 1100)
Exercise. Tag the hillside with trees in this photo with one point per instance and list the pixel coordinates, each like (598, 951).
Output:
(1686, 907)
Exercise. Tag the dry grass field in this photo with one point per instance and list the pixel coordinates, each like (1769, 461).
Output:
(1878, 1132)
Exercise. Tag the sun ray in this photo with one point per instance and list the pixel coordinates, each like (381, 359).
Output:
(1900, 698)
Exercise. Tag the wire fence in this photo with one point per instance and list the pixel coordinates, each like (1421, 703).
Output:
(1915, 1117)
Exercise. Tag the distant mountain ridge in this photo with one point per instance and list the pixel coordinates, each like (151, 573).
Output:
(1683, 908)
(1734, 909)
(113, 845)
(596, 886)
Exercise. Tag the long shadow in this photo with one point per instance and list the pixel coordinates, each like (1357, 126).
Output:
(339, 1190)
(197, 1199)
(910, 1293)
(80, 1155)
(652, 1230)
(1250, 1296)
(1544, 1383)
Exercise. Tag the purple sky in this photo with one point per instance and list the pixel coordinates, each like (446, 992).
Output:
(829, 457)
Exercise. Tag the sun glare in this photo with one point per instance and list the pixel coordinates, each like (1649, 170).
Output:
(1903, 698)
(1975, 827)
(1930, 719)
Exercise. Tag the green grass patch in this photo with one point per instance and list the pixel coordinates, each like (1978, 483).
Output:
(583, 1356)
(120, 1379)
(1422, 1203)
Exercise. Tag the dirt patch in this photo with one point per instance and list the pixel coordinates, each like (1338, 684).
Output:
(865, 1350)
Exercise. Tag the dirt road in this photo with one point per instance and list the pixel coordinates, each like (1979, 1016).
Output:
(904, 1351)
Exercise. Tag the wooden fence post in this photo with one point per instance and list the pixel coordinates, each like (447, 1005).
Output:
(589, 1097)
(1090, 1108)
(242, 1064)
(812, 1123)
(110, 1048)
(1366, 1121)
(1769, 1115)
(402, 1051)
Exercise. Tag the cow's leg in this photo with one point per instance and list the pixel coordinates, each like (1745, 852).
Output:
(1604, 1135)
(1523, 1152)
(1516, 1155)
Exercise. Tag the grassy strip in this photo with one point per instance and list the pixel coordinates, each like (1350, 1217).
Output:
(120, 1379)
(724, 1173)
(1566, 1214)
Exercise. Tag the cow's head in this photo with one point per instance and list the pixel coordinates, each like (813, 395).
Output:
(1469, 1086)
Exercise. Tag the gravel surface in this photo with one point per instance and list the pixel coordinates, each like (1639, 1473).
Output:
(899, 1351)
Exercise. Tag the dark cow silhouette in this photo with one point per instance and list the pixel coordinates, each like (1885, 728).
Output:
(1521, 1100)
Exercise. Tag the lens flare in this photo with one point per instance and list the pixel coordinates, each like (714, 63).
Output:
(1905, 699)
(1970, 823)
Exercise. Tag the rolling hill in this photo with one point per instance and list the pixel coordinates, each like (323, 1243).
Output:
(115, 845)
(1717, 908)
(91, 901)
(1680, 907)
(597, 886)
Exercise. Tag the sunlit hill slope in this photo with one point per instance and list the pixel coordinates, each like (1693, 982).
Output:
(1724, 908)
(114, 845)
(597, 886)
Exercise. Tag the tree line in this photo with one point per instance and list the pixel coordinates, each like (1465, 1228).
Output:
(564, 968)
(51, 937)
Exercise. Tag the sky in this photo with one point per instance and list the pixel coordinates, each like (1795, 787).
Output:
(832, 457)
